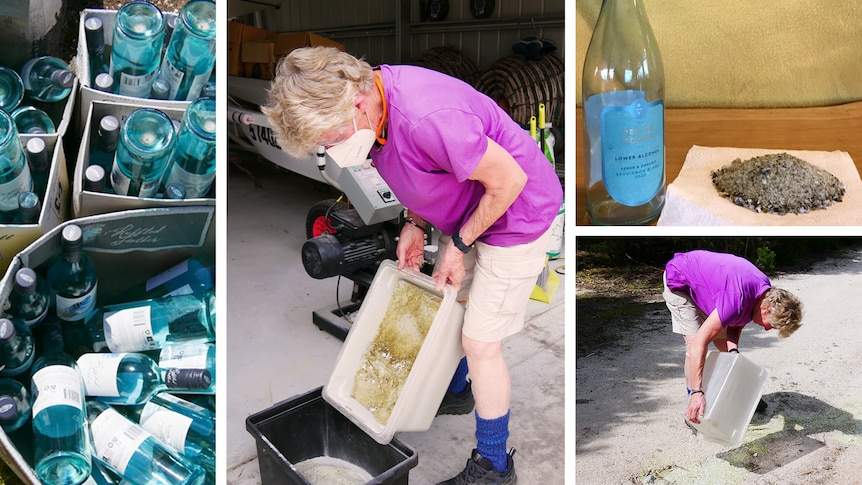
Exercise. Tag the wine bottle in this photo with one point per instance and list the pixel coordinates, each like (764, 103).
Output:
(175, 191)
(134, 378)
(104, 82)
(60, 432)
(73, 278)
(132, 452)
(95, 180)
(39, 161)
(186, 277)
(147, 139)
(47, 78)
(161, 89)
(150, 324)
(17, 349)
(14, 172)
(623, 99)
(104, 144)
(180, 424)
(95, 35)
(191, 356)
(190, 55)
(14, 405)
(30, 120)
(139, 30)
(29, 299)
(29, 208)
(193, 160)
(11, 89)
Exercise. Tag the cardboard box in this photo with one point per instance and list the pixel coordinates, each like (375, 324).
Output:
(55, 204)
(239, 33)
(126, 249)
(88, 94)
(261, 57)
(86, 203)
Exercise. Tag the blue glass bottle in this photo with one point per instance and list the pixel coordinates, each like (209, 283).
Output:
(47, 79)
(104, 144)
(134, 453)
(39, 160)
(60, 432)
(94, 31)
(180, 424)
(134, 378)
(14, 405)
(193, 160)
(29, 208)
(29, 299)
(139, 30)
(145, 325)
(17, 349)
(146, 140)
(194, 355)
(190, 56)
(14, 172)
(30, 120)
(73, 279)
(11, 89)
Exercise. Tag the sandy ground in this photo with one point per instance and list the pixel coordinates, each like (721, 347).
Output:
(630, 395)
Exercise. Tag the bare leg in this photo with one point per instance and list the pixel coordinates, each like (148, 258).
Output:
(490, 377)
(687, 366)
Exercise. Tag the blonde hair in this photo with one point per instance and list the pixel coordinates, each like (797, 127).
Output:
(785, 311)
(313, 92)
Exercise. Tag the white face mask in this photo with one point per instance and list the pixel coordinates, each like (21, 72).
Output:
(354, 150)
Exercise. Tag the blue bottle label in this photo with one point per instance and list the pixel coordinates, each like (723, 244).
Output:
(633, 151)
(76, 308)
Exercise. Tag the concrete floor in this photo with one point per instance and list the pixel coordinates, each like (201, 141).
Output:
(275, 352)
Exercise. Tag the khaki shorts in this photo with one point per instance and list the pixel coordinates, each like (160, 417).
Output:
(498, 285)
(684, 314)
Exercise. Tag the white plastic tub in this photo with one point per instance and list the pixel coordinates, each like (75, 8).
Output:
(432, 370)
(733, 386)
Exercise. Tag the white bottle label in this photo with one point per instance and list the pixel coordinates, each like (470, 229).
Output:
(172, 76)
(9, 191)
(184, 356)
(136, 86)
(167, 275)
(116, 439)
(100, 373)
(170, 427)
(121, 184)
(129, 330)
(71, 309)
(58, 385)
(182, 290)
(196, 185)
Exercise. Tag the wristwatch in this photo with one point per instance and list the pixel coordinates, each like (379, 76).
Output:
(459, 243)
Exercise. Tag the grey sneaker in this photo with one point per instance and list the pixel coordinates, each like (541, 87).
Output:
(480, 471)
(461, 403)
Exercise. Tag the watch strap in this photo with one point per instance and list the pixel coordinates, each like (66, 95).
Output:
(459, 243)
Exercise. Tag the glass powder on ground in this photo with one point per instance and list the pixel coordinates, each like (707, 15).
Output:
(778, 183)
(386, 364)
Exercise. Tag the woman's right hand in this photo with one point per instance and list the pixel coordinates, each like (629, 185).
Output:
(411, 247)
(696, 407)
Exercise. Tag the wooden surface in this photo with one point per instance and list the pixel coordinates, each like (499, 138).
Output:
(823, 128)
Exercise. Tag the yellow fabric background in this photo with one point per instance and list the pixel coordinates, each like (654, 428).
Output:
(749, 53)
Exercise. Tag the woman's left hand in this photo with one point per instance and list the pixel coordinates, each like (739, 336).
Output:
(411, 248)
(450, 268)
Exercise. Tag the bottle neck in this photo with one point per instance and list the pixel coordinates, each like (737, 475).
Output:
(191, 379)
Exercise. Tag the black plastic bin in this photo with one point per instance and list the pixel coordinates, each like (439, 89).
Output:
(306, 426)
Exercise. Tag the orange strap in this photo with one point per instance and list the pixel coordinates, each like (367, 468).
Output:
(381, 138)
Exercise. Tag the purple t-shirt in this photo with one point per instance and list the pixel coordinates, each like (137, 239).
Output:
(436, 136)
(718, 281)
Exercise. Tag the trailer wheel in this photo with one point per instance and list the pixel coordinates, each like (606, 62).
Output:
(317, 222)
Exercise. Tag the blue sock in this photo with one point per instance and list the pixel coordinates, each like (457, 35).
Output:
(459, 380)
(492, 435)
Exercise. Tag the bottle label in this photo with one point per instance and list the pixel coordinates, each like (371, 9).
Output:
(121, 184)
(633, 149)
(116, 439)
(182, 290)
(136, 86)
(196, 185)
(100, 374)
(170, 427)
(130, 330)
(58, 385)
(167, 275)
(72, 309)
(184, 356)
(9, 191)
(173, 76)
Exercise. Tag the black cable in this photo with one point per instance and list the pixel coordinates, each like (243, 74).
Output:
(338, 301)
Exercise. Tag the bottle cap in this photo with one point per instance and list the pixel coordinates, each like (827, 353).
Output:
(95, 35)
(37, 155)
(175, 191)
(29, 206)
(160, 90)
(73, 241)
(25, 281)
(63, 78)
(104, 82)
(94, 178)
(7, 329)
(188, 379)
(8, 408)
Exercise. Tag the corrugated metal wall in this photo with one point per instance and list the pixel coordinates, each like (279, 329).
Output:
(391, 31)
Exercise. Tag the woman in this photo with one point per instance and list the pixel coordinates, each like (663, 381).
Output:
(711, 296)
(457, 161)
